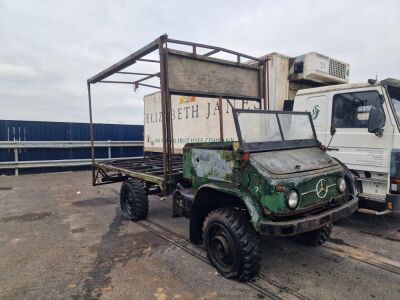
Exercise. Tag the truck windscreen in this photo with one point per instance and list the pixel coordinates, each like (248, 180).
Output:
(274, 128)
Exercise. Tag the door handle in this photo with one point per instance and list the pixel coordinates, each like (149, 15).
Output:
(332, 149)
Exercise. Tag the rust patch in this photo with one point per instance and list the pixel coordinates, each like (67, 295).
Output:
(95, 202)
(30, 217)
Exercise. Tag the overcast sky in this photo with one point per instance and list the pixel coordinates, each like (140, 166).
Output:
(49, 48)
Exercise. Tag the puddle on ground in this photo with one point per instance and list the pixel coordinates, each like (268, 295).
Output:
(5, 188)
(77, 230)
(30, 217)
(339, 242)
(95, 202)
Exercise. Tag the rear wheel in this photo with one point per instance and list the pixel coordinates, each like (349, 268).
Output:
(232, 244)
(315, 238)
(133, 199)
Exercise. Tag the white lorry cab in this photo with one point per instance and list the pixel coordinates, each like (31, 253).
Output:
(360, 126)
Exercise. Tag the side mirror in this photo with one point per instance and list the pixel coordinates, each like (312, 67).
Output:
(376, 121)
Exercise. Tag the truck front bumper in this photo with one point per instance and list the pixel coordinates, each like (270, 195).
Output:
(310, 223)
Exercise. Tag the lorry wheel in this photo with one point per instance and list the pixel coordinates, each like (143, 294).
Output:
(315, 238)
(232, 245)
(133, 199)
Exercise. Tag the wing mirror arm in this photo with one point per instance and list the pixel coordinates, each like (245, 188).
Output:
(333, 131)
(379, 132)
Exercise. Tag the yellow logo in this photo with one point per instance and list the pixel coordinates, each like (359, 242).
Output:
(186, 99)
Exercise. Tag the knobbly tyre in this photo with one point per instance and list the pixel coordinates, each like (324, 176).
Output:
(276, 179)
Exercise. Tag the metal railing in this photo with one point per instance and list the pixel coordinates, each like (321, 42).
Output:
(18, 146)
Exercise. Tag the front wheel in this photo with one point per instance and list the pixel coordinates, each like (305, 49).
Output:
(232, 245)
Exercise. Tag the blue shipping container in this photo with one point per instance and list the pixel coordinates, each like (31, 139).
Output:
(11, 130)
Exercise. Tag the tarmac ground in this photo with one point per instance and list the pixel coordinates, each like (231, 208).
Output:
(61, 238)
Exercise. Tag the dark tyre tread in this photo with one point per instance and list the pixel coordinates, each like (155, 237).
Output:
(140, 201)
(317, 237)
(245, 239)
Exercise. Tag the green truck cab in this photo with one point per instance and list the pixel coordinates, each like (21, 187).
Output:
(276, 180)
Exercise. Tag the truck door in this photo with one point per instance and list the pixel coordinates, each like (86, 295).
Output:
(318, 106)
(368, 154)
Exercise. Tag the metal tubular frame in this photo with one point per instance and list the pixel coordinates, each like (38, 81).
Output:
(161, 44)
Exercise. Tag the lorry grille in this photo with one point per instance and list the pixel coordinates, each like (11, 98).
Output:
(311, 198)
(337, 69)
(309, 195)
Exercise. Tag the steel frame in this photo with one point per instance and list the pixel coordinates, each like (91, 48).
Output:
(161, 44)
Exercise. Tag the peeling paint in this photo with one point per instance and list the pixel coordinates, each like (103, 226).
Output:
(210, 164)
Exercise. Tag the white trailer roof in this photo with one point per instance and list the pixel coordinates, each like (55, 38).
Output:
(336, 87)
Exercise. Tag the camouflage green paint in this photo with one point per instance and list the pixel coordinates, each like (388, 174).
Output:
(222, 169)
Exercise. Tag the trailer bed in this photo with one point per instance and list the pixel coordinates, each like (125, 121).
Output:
(148, 168)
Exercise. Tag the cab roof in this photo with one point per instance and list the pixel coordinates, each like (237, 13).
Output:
(338, 87)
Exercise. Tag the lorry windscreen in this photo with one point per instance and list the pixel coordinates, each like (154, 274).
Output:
(271, 130)
(394, 94)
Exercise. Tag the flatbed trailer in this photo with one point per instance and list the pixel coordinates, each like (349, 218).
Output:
(148, 168)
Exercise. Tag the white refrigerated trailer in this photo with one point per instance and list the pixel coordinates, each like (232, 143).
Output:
(195, 118)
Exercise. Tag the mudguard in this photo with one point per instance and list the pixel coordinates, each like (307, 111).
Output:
(254, 208)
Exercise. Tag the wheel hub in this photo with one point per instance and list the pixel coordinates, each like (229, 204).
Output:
(127, 203)
(222, 248)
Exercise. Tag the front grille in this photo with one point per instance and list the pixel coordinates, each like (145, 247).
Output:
(311, 196)
(308, 194)
(295, 215)
(337, 69)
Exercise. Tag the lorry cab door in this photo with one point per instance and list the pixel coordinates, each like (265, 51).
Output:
(367, 154)
(319, 108)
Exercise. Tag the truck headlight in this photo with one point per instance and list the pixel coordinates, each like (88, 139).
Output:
(292, 199)
(341, 185)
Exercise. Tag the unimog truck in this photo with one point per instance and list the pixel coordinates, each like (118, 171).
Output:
(274, 179)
